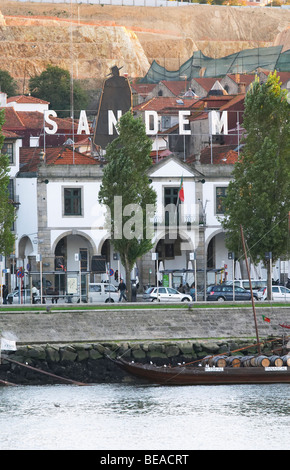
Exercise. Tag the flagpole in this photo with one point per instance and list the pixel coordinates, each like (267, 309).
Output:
(252, 297)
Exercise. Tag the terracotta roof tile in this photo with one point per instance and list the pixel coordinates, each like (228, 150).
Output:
(162, 103)
(205, 82)
(12, 120)
(217, 101)
(142, 89)
(10, 135)
(220, 155)
(246, 78)
(25, 99)
(30, 157)
(176, 87)
(233, 101)
(32, 120)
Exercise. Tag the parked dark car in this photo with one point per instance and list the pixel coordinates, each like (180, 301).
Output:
(222, 292)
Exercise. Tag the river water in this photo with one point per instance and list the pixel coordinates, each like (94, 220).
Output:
(132, 417)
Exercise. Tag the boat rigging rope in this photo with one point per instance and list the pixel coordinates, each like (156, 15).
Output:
(43, 372)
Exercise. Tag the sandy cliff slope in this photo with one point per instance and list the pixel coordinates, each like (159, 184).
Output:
(89, 39)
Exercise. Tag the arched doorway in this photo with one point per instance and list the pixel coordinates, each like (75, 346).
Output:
(174, 259)
(219, 268)
(25, 261)
(73, 255)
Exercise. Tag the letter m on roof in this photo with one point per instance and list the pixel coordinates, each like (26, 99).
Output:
(218, 122)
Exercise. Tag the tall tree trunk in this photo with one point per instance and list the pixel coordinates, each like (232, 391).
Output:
(269, 280)
(128, 283)
(128, 270)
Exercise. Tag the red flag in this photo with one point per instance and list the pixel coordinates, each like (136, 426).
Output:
(181, 191)
(266, 319)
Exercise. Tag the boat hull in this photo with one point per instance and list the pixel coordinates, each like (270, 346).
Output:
(181, 375)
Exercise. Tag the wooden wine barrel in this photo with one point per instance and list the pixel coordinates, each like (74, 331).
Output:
(233, 361)
(286, 360)
(218, 361)
(260, 361)
(276, 361)
(246, 361)
(205, 360)
(214, 361)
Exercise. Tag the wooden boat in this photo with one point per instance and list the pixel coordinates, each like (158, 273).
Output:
(207, 375)
(220, 370)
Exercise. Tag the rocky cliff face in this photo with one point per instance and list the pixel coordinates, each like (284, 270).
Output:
(88, 39)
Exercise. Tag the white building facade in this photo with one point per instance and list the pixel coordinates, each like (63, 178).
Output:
(62, 242)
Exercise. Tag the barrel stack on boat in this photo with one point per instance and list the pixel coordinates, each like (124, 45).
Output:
(246, 361)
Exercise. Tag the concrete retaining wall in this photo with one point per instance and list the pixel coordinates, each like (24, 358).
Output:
(140, 324)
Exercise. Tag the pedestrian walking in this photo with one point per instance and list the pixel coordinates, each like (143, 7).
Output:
(4, 293)
(192, 291)
(122, 288)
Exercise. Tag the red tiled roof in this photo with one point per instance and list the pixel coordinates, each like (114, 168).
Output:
(35, 120)
(220, 155)
(32, 120)
(242, 77)
(176, 87)
(205, 82)
(157, 156)
(30, 157)
(162, 103)
(234, 100)
(25, 99)
(217, 101)
(142, 89)
(10, 135)
(12, 120)
(284, 76)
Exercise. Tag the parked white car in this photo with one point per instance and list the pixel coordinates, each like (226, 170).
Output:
(279, 293)
(167, 294)
(13, 297)
(103, 292)
(257, 284)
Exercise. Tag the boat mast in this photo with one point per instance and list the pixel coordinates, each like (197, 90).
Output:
(252, 297)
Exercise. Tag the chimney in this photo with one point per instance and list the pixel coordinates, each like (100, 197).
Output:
(3, 100)
(242, 87)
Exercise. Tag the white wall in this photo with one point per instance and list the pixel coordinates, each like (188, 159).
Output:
(40, 107)
(26, 222)
(14, 169)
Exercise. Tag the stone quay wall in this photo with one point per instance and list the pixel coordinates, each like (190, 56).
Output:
(75, 345)
(89, 363)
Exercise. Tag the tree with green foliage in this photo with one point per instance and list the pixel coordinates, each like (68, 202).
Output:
(7, 212)
(127, 193)
(258, 198)
(7, 83)
(55, 85)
